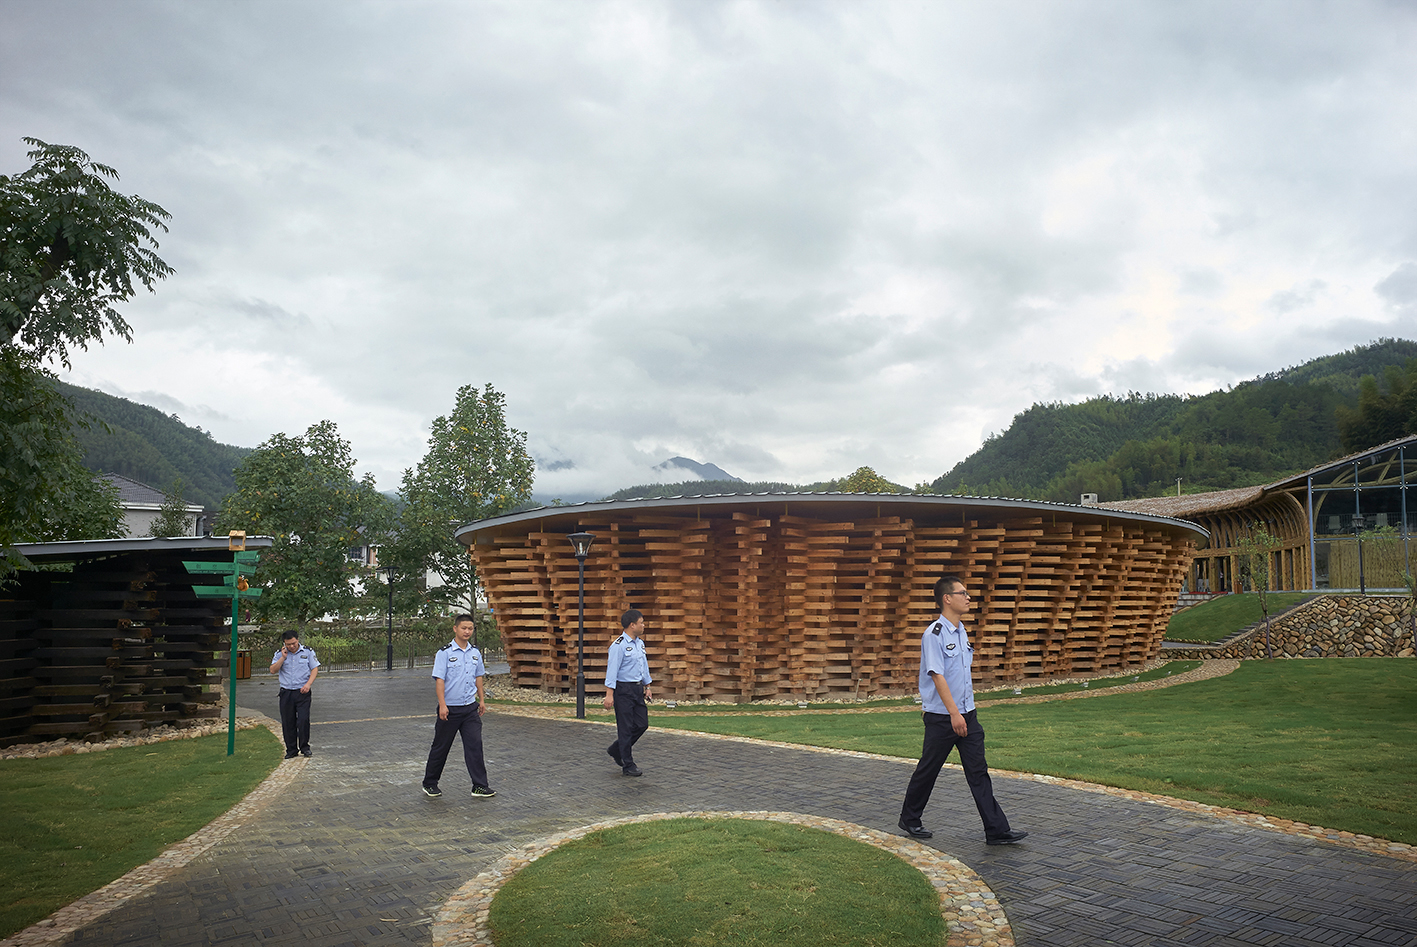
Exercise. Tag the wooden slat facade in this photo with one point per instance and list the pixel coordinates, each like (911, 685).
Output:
(821, 597)
(118, 644)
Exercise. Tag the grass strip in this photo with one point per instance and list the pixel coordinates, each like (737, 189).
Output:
(74, 823)
(1325, 742)
(1212, 620)
(689, 882)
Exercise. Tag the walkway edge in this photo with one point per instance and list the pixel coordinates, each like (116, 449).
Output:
(83, 912)
(971, 910)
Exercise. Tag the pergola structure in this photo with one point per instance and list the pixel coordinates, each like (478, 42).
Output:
(1343, 525)
(821, 596)
(110, 638)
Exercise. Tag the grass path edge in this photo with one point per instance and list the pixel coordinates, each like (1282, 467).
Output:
(970, 909)
(83, 912)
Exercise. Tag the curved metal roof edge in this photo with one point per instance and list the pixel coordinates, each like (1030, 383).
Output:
(194, 543)
(724, 499)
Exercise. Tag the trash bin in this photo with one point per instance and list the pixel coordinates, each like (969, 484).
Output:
(243, 665)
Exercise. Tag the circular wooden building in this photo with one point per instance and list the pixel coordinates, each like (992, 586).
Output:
(822, 596)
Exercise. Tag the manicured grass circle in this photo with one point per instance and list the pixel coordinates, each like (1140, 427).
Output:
(708, 882)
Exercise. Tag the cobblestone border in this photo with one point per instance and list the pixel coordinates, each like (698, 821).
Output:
(88, 909)
(971, 911)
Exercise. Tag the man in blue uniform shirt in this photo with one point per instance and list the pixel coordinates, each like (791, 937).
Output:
(627, 683)
(457, 680)
(295, 666)
(947, 699)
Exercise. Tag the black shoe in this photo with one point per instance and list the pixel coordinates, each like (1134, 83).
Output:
(917, 831)
(290, 754)
(1008, 838)
(306, 752)
(614, 753)
(432, 792)
(483, 792)
(632, 770)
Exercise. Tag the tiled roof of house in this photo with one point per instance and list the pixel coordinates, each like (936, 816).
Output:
(131, 491)
(1191, 504)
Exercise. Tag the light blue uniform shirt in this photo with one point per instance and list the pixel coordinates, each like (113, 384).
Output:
(459, 671)
(627, 662)
(945, 650)
(296, 670)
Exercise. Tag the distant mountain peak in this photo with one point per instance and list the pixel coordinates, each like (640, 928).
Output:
(702, 471)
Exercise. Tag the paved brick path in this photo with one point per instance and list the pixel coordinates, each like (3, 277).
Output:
(354, 854)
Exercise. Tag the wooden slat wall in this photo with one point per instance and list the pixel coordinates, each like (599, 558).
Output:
(115, 646)
(744, 607)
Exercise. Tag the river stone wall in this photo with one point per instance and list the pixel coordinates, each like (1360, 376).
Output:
(1331, 626)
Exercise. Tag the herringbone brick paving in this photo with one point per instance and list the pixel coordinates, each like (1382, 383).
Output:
(354, 854)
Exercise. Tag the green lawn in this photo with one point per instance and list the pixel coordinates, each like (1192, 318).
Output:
(1326, 742)
(74, 823)
(707, 882)
(1213, 620)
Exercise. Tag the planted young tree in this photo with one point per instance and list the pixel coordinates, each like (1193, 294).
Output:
(70, 248)
(302, 492)
(172, 518)
(1257, 551)
(475, 467)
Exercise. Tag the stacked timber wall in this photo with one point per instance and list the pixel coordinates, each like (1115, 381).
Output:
(119, 644)
(744, 606)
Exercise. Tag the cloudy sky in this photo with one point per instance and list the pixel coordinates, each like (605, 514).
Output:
(788, 238)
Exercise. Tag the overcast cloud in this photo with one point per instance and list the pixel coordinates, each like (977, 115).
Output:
(786, 238)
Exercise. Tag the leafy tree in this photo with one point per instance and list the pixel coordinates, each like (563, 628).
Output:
(172, 518)
(1381, 415)
(475, 467)
(301, 491)
(1257, 552)
(866, 480)
(46, 493)
(72, 247)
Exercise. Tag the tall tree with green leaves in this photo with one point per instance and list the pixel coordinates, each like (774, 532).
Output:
(475, 467)
(70, 248)
(866, 480)
(302, 492)
(1385, 412)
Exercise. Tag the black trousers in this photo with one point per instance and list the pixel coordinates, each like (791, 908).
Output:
(940, 739)
(631, 721)
(464, 721)
(295, 719)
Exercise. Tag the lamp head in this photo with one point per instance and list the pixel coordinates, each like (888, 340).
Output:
(581, 543)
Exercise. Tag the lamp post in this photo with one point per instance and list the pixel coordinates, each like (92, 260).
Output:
(581, 543)
(389, 577)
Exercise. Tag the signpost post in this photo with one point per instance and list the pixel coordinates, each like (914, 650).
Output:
(235, 587)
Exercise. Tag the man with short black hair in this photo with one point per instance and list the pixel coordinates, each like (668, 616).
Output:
(947, 701)
(457, 680)
(295, 666)
(627, 683)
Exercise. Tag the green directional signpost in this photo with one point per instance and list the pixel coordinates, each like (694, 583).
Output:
(235, 587)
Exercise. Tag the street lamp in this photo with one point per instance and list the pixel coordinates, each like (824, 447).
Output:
(581, 543)
(389, 577)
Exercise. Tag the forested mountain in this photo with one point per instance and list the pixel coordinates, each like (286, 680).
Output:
(1136, 446)
(146, 445)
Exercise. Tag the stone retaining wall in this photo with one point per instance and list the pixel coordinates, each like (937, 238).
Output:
(1331, 626)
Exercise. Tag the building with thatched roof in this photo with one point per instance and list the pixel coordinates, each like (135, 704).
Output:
(1343, 525)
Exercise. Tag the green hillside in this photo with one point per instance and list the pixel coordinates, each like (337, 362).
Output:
(146, 445)
(1136, 446)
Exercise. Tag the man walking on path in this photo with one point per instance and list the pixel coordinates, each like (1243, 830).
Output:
(295, 666)
(457, 680)
(627, 683)
(947, 698)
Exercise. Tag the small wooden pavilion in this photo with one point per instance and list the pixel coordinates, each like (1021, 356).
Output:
(108, 637)
(821, 596)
